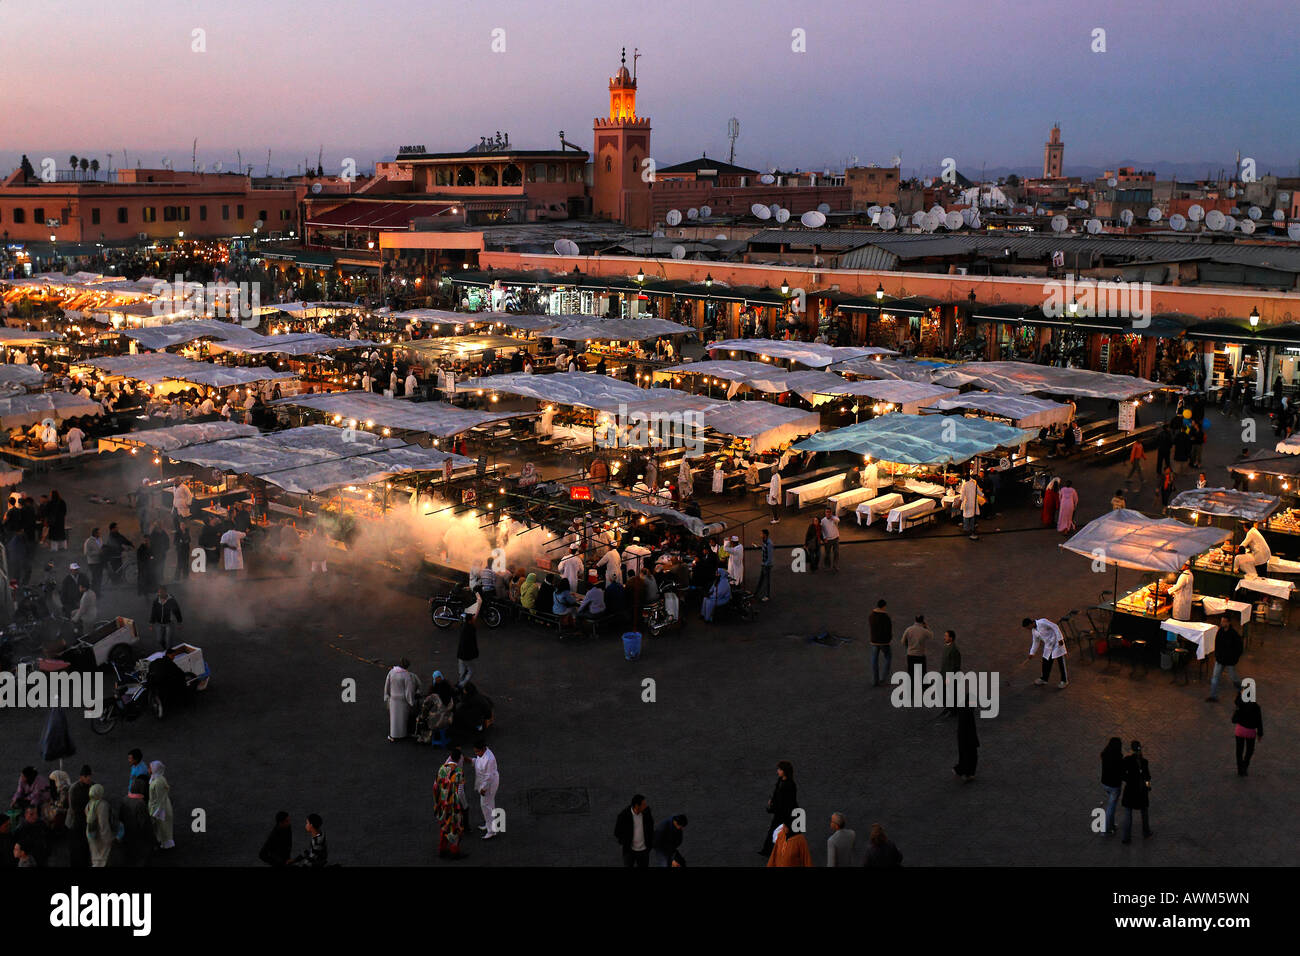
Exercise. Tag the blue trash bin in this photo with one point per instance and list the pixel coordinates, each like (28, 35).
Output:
(632, 645)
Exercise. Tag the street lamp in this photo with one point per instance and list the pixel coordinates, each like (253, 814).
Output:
(880, 292)
(640, 276)
(181, 234)
(370, 244)
(1254, 318)
(785, 287)
(708, 281)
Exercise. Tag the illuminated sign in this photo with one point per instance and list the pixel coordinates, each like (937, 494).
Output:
(580, 493)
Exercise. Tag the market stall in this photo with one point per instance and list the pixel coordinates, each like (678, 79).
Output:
(810, 354)
(437, 419)
(1014, 378)
(1023, 411)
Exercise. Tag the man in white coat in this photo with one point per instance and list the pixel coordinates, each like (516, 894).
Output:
(182, 498)
(1048, 639)
(399, 695)
(736, 560)
(612, 562)
(1181, 594)
(774, 496)
(970, 506)
(871, 477)
(571, 568)
(1258, 547)
(486, 781)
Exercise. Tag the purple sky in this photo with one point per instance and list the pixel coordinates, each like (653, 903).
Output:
(1191, 81)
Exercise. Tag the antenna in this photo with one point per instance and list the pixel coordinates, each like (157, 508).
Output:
(733, 131)
(268, 164)
(193, 153)
(636, 55)
(320, 159)
(240, 157)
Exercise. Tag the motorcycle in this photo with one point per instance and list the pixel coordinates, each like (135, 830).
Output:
(132, 697)
(450, 609)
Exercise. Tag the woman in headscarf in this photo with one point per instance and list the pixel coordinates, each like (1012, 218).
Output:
(1069, 501)
(449, 803)
(55, 812)
(718, 595)
(1050, 499)
(145, 582)
(528, 591)
(99, 830)
(160, 805)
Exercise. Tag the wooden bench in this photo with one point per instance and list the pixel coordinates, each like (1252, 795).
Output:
(921, 511)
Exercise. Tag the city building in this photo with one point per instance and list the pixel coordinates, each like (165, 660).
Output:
(621, 176)
(873, 186)
(1054, 155)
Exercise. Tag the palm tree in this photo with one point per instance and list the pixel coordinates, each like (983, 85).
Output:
(94, 168)
(85, 164)
(72, 162)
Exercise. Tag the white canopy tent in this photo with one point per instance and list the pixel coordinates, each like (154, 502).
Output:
(904, 369)
(290, 343)
(910, 397)
(617, 330)
(174, 437)
(20, 376)
(919, 439)
(159, 337)
(1227, 503)
(20, 411)
(1021, 377)
(812, 354)
(433, 418)
(1129, 539)
(154, 368)
(767, 426)
(15, 337)
(1023, 410)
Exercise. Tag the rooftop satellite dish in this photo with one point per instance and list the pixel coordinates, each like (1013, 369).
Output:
(203, 167)
(692, 213)
(931, 221)
(1126, 217)
(1094, 226)
(1154, 214)
(1195, 213)
(823, 208)
(1214, 219)
(918, 218)
(315, 188)
(1235, 211)
(783, 215)
(767, 179)
(1081, 203)
(1254, 212)
(679, 252)
(1293, 231)
(888, 219)
(720, 237)
(674, 217)
(1177, 223)
(813, 219)
(1248, 227)
(1283, 198)
(771, 169)
(953, 220)
(762, 212)
(872, 211)
(218, 166)
(897, 160)
(1040, 211)
(1230, 223)
(937, 210)
(775, 207)
(566, 247)
(1232, 192)
(1278, 215)
(970, 216)
(1112, 182)
(705, 212)
(1059, 223)
(657, 234)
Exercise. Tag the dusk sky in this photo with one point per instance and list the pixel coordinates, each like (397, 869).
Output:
(1191, 81)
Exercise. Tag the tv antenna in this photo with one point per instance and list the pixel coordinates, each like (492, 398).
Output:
(733, 131)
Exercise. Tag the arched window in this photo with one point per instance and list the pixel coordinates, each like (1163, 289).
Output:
(609, 165)
(465, 176)
(512, 176)
(487, 176)
(635, 164)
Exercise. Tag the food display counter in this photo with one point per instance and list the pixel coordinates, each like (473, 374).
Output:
(1282, 532)
(1213, 574)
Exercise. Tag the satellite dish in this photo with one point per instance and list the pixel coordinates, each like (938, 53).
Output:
(813, 219)
(566, 247)
(937, 210)
(775, 207)
(316, 188)
(897, 160)
(1059, 223)
(1126, 217)
(674, 217)
(782, 215)
(1230, 223)
(931, 221)
(1040, 211)
(953, 220)
(1214, 219)
(918, 218)
(705, 212)
(1195, 213)
(762, 212)
(720, 237)
(872, 211)
(970, 216)
(1093, 227)
(888, 220)
(767, 179)
(1278, 215)
(1081, 203)
(1177, 222)
(218, 166)
(1232, 192)
(1154, 214)
(165, 161)
(657, 234)
(1254, 212)
(692, 213)
(1293, 231)
(1248, 227)
(679, 252)
(1112, 182)
(824, 208)
(1283, 198)
(203, 168)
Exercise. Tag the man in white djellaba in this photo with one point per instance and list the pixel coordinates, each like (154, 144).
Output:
(399, 694)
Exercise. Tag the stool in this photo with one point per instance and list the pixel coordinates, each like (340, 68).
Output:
(1181, 656)
(1138, 648)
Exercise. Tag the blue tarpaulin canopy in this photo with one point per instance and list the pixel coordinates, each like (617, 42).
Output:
(919, 439)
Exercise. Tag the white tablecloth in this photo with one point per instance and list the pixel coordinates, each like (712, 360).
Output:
(902, 516)
(1198, 632)
(1278, 565)
(816, 490)
(1214, 606)
(922, 488)
(1270, 586)
(878, 506)
(850, 498)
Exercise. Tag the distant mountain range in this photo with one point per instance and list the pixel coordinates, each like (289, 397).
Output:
(1163, 170)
